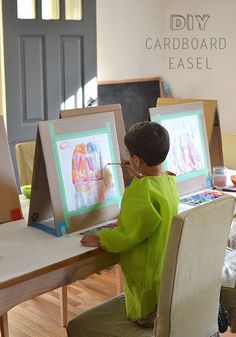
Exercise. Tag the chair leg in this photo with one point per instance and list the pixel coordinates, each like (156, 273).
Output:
(119, 279)
(4, 325)
(63, 305)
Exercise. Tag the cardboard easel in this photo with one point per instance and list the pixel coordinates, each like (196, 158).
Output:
(120, 127)
(212, 125)
(10, 209)
(56, 204)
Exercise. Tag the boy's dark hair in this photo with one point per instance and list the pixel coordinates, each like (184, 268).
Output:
(149, 141)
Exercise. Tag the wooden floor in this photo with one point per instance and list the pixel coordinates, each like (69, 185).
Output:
(228, 334)
(40, 317)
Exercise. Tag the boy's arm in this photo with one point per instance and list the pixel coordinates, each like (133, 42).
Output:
(138, 221)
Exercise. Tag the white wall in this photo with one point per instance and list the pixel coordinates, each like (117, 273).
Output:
(122, 27)
(220, 81)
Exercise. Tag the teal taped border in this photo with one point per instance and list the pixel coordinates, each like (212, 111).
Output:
(113, 159)
(159, 118)
(54, 139)
(59, 173)
(59, 231)
(45, 228)
(61, 228)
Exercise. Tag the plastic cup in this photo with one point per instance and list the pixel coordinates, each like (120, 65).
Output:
(219, 177)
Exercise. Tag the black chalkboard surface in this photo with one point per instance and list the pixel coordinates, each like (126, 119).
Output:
(135, 97)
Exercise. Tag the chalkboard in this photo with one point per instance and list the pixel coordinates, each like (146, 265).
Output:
(135, 97)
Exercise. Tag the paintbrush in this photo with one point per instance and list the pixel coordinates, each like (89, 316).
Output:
(130, 168)
(127, 163)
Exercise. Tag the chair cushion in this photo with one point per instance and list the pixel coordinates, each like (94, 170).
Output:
(25, 158)
(106, 320)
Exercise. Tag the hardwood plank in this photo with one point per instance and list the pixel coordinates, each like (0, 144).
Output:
(228, 334)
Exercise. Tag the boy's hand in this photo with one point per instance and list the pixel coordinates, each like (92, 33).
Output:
(90, 240)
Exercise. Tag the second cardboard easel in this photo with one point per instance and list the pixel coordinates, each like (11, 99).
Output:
(212, 125)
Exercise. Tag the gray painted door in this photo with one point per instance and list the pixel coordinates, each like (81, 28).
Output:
(49, 65)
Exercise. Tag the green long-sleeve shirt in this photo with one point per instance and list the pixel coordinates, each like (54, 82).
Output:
(147, 209)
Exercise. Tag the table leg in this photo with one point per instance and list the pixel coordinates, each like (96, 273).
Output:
(4, 325)
(63, 305)
(119, 279)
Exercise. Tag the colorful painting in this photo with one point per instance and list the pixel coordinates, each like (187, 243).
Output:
(87, 180)
(186, 154)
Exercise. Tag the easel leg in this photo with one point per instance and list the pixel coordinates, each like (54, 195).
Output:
(119, 279)
(63, 305)
(4, 325)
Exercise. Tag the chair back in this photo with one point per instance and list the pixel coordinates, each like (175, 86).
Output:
(25, 159)
(190, 288)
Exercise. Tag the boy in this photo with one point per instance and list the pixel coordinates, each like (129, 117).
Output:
(147, 208)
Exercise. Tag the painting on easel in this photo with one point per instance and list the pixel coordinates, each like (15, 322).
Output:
(83, 189)
(186, 154)
(87, 181)
(120, 128)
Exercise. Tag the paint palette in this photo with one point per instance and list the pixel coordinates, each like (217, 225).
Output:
(95, 230)
(201, 198)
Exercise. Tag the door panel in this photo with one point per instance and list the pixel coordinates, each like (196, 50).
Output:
(71, 69)
(32, 79)
(49, 65)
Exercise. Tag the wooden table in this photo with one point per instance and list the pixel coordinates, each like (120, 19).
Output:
(33, 262)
